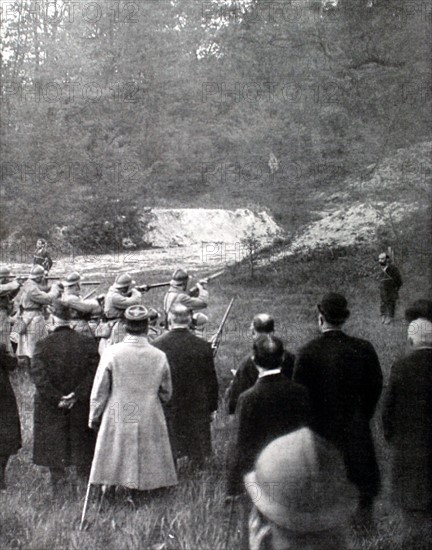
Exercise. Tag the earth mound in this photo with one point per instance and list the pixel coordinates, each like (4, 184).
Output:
(172, 227)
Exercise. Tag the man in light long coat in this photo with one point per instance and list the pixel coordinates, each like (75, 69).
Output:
(34, 297)
(132, 381)
(8, 290)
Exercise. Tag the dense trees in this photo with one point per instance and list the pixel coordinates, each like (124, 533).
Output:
(109, 106)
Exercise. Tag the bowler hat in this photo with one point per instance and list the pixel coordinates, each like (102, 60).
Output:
(299, 483)
(334, 307)
(137, 313)
(419, 309)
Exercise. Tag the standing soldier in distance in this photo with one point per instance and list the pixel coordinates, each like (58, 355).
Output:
(390, 283)
(177, 293)
(33, 298)
(41, 255)
(8, 290)
(81, 310)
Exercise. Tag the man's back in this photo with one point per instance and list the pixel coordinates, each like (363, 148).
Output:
(407, 415)
(192, 371)
(65, 356)
(273, 407)
(344, 379)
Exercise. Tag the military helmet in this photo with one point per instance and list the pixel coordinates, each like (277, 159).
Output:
(72, 279)
(36, 272)
(180, 276)
(4, 272)
(123, 280)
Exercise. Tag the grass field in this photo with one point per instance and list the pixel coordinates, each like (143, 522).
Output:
(193, 516)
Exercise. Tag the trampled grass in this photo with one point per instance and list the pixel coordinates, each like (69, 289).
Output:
(193, 516)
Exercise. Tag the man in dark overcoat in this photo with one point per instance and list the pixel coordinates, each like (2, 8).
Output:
(407, 420)
(247, 373)
(273, 407)
(62, 369)
(344, 379)
(10, 430)
(194, 399)
(390, 283)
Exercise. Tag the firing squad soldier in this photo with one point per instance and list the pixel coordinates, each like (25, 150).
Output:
(120, 296)
(33, 298)
(195, 299)
(8, 290)
(81, 310)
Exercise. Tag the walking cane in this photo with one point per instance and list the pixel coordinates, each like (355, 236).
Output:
(230, 522)
(81, 527)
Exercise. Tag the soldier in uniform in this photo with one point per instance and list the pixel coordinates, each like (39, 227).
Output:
(177, 293)
(82, 310)
(34, 297)
(41, 255)
(390, 283)
(120, 296)
(8, 290)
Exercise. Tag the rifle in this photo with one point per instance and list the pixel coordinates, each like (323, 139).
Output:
(216, 340)
(145, 288)
(89, 294)
(194, 290)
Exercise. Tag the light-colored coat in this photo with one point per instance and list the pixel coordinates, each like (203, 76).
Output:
(133, 449)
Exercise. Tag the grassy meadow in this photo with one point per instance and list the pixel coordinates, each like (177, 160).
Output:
(193, 516)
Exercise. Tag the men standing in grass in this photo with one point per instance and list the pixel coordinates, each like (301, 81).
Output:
(195, 387)
(344, 379)
(247, 373)
(390, 283)
(407, 420)
(63, 368)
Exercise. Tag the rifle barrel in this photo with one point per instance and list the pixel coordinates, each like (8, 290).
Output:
(158, 285)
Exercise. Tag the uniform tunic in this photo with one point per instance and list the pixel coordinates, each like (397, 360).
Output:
(81, 309)
(32, 300)
(7, 292)
(133, 450)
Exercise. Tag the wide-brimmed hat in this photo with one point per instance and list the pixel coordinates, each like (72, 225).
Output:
(334, 307)
(72, 279)
(300, 483)
(123, 280)
(36, 272)
(137, 313)
(419, 309)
